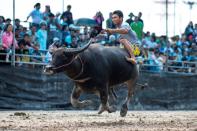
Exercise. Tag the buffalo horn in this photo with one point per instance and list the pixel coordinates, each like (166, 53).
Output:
(78, 50)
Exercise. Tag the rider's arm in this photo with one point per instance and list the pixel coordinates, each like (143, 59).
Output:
(117, 30)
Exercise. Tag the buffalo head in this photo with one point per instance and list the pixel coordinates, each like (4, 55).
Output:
(63, 57)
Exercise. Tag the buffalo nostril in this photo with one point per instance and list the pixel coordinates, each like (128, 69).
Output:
(48, 70)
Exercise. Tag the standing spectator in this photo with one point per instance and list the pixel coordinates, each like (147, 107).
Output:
(109, 22)
(1, 33)
(189, 29)
(2, 24)
(137, 26)
(42, 36)
(8, 41)
(52, 28)
(46, 12)
(36, 15)
(67, 16)
(59, 26)
(139, 17)
(195, 33)
(99, 20)
(130, 20)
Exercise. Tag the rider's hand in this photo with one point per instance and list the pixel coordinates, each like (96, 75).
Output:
(103, 31)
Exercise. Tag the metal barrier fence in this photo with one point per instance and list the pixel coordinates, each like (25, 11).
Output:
(27, 59)
(171, 66)
(182, 67)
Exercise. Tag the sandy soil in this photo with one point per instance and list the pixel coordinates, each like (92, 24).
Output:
(91, 121)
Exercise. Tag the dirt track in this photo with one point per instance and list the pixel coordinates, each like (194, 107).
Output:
(91, 121)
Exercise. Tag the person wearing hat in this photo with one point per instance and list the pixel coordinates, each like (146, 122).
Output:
(130, 20)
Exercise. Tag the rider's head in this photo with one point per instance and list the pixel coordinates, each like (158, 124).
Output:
(118, 13)
(117, 17)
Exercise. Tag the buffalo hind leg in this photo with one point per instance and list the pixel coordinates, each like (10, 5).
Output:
(75, 98)
(131, 85)
(104, 106)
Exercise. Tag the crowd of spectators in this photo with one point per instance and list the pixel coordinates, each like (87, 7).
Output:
(47, 28)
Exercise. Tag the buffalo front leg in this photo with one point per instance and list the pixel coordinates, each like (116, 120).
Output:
(131, 86)
(75, 98)
(104, 106)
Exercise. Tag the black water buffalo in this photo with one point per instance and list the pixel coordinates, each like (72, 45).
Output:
(95, 69)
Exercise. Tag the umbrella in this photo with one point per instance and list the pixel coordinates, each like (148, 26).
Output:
(85, 22)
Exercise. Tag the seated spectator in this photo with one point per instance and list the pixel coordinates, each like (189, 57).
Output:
(32, 34)
(168, 49)
(193, 52)
(112, 41)
(26, 47)
(149, 43)
(74, 37)
(66, 36)
(186, 56)
(7, 40)
(160, 61)
(85, 35)
(178, 54)
(8, 21)
(26, 41)
(17, 24)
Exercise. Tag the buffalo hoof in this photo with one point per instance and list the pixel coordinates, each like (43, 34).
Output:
(102, 109)
(86, 103)
(123, 110)
(111, 109)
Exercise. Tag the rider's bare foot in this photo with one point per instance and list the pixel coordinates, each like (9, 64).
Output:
(132, 60)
